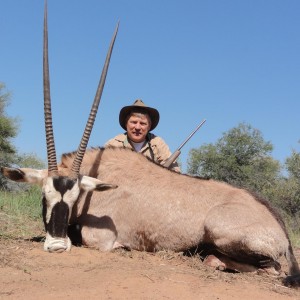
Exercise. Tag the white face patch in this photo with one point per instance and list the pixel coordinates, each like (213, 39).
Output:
(53, 196)
(71, 196)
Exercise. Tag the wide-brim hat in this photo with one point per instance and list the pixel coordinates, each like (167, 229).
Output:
(139, 106)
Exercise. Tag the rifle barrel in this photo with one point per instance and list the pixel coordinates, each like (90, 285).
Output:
(187, 139)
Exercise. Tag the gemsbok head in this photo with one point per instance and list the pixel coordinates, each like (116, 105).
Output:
(60, 191)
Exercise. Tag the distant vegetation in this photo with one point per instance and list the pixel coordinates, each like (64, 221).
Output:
(20, 204)
(8, 153)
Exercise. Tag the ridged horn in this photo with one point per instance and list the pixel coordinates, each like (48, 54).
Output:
(51, 155)
(89, 126)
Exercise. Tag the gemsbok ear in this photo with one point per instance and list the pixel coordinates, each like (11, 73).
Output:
(28, 175)
(93, 184)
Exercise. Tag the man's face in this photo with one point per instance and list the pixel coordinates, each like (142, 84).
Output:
(138, 125)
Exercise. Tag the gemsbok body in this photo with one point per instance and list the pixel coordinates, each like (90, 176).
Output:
(144, 206)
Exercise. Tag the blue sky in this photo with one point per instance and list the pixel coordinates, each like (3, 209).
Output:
(224, 61)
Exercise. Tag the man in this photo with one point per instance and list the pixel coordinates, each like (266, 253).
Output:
(138, 120)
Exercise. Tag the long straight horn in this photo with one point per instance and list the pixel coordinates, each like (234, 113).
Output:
(89, 126)
(51, 155)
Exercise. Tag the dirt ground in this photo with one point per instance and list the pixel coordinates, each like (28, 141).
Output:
(27, 272)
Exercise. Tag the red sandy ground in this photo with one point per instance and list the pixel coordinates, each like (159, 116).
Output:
(27, 272)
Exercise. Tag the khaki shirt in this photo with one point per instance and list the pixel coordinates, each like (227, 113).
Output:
(154, 148)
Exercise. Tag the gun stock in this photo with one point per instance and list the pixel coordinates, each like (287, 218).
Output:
(171, 159)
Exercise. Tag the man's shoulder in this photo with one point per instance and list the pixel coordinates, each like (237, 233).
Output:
(120, 138)
(155, 139)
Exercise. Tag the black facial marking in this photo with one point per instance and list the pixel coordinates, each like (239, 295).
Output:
(58, 223)
(62, 184)
(44, 211)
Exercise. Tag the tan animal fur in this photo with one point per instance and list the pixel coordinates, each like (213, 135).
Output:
(154, 209)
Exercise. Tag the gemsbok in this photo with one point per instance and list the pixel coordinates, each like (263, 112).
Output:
(146, 207)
